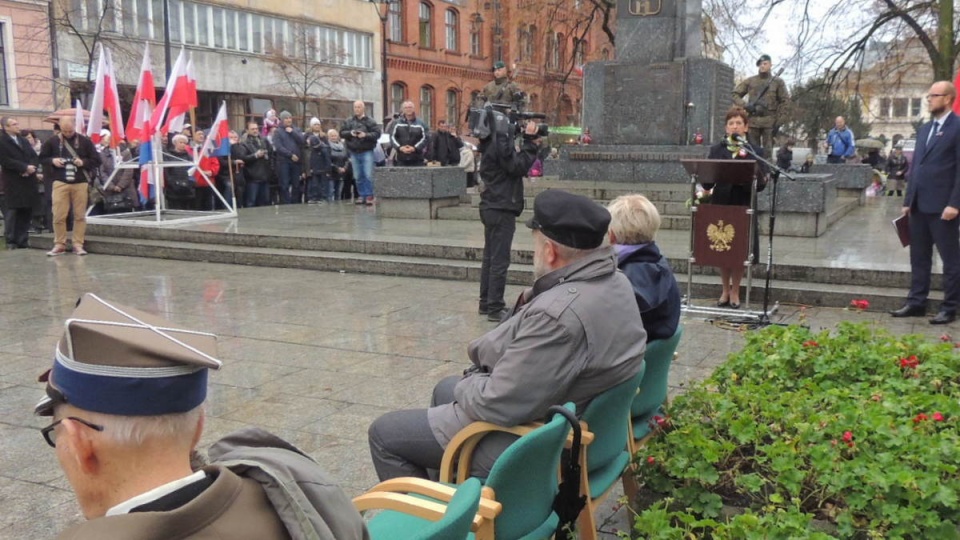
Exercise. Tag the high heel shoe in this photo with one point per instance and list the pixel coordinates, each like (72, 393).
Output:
(723, 303)
(734, 306)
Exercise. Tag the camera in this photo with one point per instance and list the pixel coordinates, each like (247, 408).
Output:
(504, 119)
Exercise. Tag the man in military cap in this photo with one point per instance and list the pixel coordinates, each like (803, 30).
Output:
(501, 89)
(126, 392)
(764, 97)
(576, 333)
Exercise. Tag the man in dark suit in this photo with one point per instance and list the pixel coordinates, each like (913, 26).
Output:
(933, 204)
(18, 166)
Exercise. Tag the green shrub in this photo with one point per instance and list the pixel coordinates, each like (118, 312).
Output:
(847, 435)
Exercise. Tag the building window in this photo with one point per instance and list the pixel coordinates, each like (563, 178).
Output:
(4, 90)
(553, 60)
(453, 107)
(398, 94)
(426, 105)
(900, 106)
(453, 29)
(528, 51)
(534, 102)
(915, 107)
(476, 42)
(579, 51)
(561, 51)
(174, 7)
(189, 28)
(395, 21)
(475, 98)
(884, 108)
(203, 29)
(231, 26)
(256, 23)
(426, 15)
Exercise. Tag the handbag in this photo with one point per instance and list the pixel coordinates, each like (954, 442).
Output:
(117, 202)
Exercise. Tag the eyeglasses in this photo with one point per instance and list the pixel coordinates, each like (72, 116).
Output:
(51, 437)
(931, 96)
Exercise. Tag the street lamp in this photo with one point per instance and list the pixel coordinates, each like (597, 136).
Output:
(383, 13)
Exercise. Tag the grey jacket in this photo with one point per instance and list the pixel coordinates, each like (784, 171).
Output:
(578, 334)
(309, 503)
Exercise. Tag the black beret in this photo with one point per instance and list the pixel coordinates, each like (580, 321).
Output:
(572, 220)
(763, 58)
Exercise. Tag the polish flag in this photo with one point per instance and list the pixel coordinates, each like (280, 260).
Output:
(111, 102)
(78, 119)
(183, 99)
(156, 118)
(956, 101)
(219, 132)
(144, 99)
(96, 106)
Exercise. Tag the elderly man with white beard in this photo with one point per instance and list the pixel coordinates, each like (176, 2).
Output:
(575, 334)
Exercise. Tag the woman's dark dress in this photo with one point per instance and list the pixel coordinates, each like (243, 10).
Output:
(737, 194)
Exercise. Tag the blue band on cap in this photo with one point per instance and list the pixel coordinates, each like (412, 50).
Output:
(130, 396)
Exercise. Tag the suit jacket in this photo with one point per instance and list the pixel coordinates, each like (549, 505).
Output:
(21, 191)
(934, 177)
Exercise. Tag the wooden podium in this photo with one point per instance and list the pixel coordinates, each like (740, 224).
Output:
(721, 235)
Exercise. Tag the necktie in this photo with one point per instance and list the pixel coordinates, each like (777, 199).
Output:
(933, 131)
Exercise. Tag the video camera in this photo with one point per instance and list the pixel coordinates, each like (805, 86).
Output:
(503, 118)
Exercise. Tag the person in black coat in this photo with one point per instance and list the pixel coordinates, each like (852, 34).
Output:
(735, 195)
(18, 167)
(633, 225)
(445, 146)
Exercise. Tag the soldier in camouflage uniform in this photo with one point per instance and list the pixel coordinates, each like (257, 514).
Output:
(762, 105)
(500, 90)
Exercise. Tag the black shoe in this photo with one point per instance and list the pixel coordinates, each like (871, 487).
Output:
(734, 306)
(944, 317)
(498, 315)
(723, 304)
(909, 311)
(483, 310)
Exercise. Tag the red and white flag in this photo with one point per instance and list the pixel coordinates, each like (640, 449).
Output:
(78, 119)
(183, 99)
(219, 132)
(144, 100)
(163, 106)
(105, 97)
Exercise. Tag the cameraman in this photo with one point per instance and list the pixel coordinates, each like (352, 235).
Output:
(502, 169)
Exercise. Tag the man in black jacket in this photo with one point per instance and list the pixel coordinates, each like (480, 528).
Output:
(19, 164)
(502, 169)
(72, 161)
(256, 166)
(445, 146)
(408, 136)
(361, 134)
(288, 142)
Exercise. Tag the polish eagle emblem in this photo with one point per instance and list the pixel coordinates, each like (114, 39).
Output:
(720, 235)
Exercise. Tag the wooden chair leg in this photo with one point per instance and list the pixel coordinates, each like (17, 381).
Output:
(630, 486)
(587, 524)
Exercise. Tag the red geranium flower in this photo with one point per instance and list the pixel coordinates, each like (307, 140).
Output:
(651, 460)
(919, 418)
(810, 343)
(910, 362)
(937, 417)
(847, 436)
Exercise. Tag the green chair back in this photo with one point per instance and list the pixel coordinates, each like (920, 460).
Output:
(606, 417)
(456, 521)
(524, 481)
(653, 387)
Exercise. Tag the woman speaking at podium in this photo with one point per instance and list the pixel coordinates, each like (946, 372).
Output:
(734, 146)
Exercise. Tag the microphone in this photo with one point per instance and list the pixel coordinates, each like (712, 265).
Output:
(739, 139)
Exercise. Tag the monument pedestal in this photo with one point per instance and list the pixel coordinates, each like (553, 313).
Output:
(417, 192)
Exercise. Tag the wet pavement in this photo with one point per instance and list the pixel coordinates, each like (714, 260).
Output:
(312, 356)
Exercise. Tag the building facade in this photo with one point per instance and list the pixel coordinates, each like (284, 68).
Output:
(440, 54)
(26, 82)
(313, 58)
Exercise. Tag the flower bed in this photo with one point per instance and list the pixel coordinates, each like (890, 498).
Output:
(849, 435)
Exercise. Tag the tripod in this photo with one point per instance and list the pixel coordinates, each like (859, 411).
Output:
(777, 172)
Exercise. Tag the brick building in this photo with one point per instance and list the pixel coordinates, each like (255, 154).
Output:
(26, 84)
(440, 53)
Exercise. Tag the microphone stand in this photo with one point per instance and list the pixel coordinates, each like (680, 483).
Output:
(777, 172)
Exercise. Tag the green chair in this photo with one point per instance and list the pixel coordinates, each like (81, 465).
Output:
(524, 479)
(605, 459)
(653, 389)
(414, 510)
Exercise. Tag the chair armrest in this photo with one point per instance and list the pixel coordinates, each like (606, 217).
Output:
(376, 499)
(458, 455)
(400, 502)
(489, 507)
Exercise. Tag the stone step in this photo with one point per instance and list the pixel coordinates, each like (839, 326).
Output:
(704, 286)
(607, 191)
(468, 212)
(677, 208)
(677, 245)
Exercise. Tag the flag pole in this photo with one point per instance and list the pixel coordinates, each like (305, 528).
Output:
(158, 199)
(233, 191)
